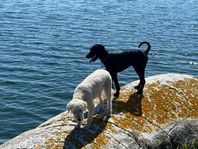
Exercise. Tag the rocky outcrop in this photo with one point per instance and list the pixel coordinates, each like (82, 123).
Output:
(179, 134)
(165, 116)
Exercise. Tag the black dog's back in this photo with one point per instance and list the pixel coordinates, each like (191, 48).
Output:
(120, 61)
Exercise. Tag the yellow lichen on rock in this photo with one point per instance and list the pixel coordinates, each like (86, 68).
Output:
(160, 104)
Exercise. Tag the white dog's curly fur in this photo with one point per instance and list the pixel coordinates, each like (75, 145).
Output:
(85, 93)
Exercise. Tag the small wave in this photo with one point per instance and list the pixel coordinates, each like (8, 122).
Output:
(193, 63)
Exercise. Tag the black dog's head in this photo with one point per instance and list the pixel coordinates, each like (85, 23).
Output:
(96, 51)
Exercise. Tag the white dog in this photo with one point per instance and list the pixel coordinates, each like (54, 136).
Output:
(85, 93)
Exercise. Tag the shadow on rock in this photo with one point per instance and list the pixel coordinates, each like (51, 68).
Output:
(80, 137)
(132, 105)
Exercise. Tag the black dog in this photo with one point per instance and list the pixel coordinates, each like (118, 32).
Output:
(117, 62)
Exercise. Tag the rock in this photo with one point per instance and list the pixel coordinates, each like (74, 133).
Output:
(165, 116)
(178, 134)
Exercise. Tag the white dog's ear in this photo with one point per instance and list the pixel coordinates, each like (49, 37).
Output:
(69, 107)
(84, 106)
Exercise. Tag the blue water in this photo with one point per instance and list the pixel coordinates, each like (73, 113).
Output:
(43, 44)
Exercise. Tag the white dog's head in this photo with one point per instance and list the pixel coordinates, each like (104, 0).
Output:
(77, 107)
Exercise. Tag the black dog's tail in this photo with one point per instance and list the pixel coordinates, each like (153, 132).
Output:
(148, 44)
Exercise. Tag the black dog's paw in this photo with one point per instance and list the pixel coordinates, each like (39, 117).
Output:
(140, 91)
(137, 87)
(116, 94)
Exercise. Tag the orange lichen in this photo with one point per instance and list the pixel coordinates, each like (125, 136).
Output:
(160, 105)
(100, 141)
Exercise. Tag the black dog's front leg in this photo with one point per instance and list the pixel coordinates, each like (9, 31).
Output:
(115, 80)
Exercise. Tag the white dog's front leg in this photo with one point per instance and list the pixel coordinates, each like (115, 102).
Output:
(90, 114)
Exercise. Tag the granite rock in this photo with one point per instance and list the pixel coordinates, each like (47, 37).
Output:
(164, 116)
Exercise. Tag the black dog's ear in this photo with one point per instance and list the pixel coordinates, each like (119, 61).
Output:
(100, 46)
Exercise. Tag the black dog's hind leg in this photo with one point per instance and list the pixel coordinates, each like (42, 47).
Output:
(140, 86)
(115, 80)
